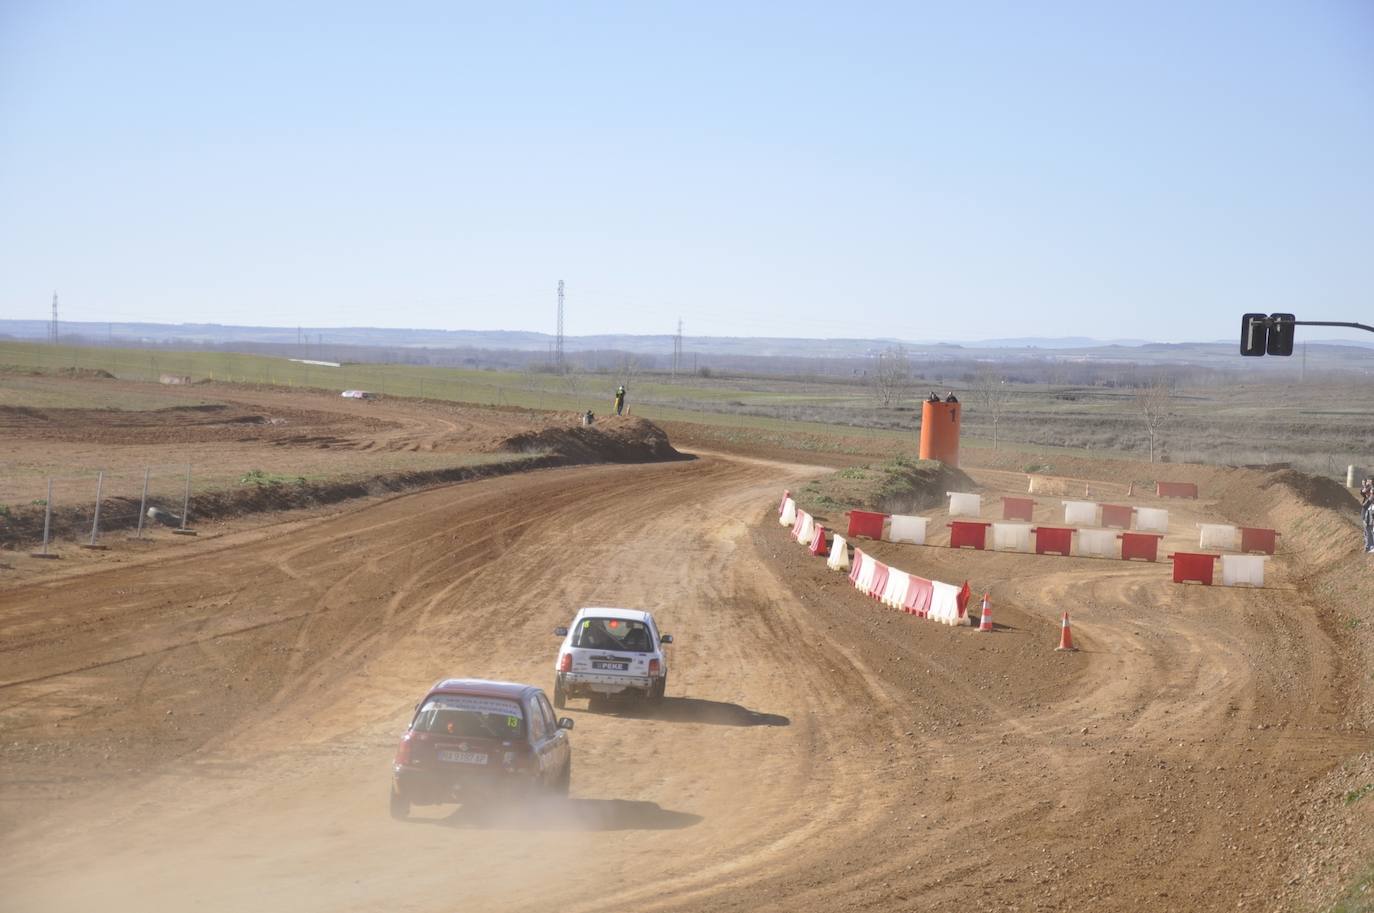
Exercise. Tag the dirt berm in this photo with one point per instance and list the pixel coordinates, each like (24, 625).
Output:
(564, 442)
(899, 486)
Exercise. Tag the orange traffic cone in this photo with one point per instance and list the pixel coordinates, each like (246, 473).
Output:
(1065, 635)
(986, 623)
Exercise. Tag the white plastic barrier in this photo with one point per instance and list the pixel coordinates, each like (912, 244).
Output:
(1243, 569)
(808, 528)
(839, 554)
(788, 517)
(907, 529)
(1218, 535)
(867, 571)
(944, 604)
(1014, 537)
(963, 504)
(894, 594)
(1080, 513)
(1151, 520)
(1097, 543)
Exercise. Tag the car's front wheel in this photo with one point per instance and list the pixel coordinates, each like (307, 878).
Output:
(400, 805)
(564, 781)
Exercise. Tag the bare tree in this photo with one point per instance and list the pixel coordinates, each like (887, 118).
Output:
(892, 375)
(992, 393)
(1152, 401)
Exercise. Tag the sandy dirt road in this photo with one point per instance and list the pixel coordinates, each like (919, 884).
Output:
(214, 731)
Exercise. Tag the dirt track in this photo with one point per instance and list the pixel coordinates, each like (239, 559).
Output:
(214, 730)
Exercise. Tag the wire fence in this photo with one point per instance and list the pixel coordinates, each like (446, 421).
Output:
(86, 509)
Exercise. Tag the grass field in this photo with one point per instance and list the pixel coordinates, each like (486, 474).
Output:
(1319, 427)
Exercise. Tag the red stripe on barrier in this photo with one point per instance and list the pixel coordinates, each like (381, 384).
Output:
(1116, 516)
(1053, 540)
(1018, 508)
(1140, 545)
(918, 596)
(866, 523)
(818, 544)
(968, 533)
(1176, 490)
(1257, 539)
(1193, 566)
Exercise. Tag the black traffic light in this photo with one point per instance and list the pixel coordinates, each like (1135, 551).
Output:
(1281, 335)
(1254, 335)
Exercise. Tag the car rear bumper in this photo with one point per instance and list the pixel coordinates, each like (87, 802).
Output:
(429, 785)
(602, 683)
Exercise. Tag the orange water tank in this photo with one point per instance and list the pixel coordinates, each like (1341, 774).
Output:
(940, 432)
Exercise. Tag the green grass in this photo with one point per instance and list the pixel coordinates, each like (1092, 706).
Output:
(1359, 897)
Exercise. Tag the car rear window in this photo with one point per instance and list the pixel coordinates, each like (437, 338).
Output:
(470, 718)
(613, 634)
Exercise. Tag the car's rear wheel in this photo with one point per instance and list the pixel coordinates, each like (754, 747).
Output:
(560, 697)
(656, 691)
(400, 805)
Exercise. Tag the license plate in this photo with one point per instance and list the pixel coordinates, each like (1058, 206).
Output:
(463, 757)
(610, 667)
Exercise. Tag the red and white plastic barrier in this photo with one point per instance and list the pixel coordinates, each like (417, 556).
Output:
(839, 554)
(1012, 537)
(1218, 535)
(964, 504)
(806, 527)
(1097, 543)
(818, 541)
(907, 592)
(1246, 569)
(912, 530)
(788, 515)
(1152, 519)
(1080, 513)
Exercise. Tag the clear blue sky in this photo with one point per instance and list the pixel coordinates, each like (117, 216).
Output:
(952, 170)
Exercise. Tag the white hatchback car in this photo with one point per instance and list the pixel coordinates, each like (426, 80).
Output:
(611, 651)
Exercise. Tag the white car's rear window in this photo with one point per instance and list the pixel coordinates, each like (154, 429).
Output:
(617, 634)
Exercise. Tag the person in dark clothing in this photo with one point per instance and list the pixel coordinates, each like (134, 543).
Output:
(1367, 514)
(933, 398)
(620, 399)
(951, 398)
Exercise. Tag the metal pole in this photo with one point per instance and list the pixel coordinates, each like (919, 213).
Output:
(95, 523)
(186, 498)
(143, 503)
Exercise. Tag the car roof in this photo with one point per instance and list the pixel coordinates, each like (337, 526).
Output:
(627, 614)
(481, 687)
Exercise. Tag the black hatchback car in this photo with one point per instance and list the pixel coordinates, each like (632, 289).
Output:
(472, 739)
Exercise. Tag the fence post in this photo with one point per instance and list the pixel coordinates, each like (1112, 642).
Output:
(95, 521)
(143, 502)
(47, 525)
(185, 505)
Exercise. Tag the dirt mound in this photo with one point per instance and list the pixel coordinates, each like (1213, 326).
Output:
(618, 439)
(900, 486)
(89, 373)
(1314, 491)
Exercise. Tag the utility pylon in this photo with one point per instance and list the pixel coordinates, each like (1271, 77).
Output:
(52, 327)
(558, 343)
(677, 349)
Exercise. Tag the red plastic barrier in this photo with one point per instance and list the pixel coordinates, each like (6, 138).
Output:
(918, 596)
(1257, 539)
(1176, 490)
(818, 545)
(866, 523)
(962, 599)
(968, 533)
(1116, 516)
(880, 580)
(1053, 540)
(1140, 545)
(1193, 566)
(1017, 508)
